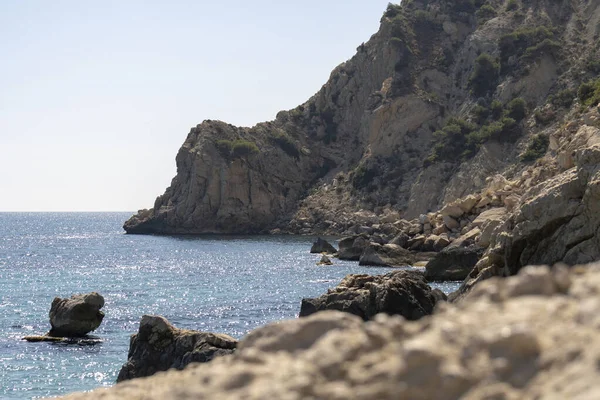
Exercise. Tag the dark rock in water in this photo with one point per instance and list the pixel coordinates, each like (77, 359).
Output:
(325, 261)
(401, 292)
(322, 246)
(65, 340)
(453, 263)
(352, 247)
(158, 346)
(76, 316)
(388, 255)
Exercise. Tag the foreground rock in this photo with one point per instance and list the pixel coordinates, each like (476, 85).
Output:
(76, 316)
(533, 336)
(159, 346)
(401, 292)
(453, 263)
(322, 246)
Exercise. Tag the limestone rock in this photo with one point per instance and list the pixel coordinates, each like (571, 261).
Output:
(159, 346)
(322, 246)
(352, 247)
(76, 316)
(453, 263)
(451, 223)
(388, 255)
(325, 261)
(533, 336)
(401, 292)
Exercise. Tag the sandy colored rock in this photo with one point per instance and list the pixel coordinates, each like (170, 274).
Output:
(388, 255)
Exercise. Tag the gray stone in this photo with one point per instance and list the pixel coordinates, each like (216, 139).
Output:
(76, 316)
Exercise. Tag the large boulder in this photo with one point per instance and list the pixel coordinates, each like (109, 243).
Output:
(453, 263)
(159, 346)
(401, 292)
(76, 316)
(352, 247)
(322, 246)
(388, 255)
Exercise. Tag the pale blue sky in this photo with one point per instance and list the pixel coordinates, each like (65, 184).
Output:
(96, 97)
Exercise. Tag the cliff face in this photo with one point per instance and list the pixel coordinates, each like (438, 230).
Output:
(418, 117)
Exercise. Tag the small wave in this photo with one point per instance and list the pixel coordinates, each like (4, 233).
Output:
(322, 281)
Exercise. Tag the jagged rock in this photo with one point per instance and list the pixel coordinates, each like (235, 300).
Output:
(452, 210)
(493, 214)
(159, 346)
(451, 223)
(76, 316)
(401, 240)
(468, 203)
(453, 263)
(352, 247)
(533, 336)
(325, 261)
(388, 255)
(322, 246)
(400, 292)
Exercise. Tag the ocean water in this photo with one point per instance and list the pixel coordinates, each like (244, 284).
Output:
(223, 284)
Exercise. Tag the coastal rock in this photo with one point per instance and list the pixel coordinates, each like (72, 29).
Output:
(325, 261)
(76, 316)
(533, 336)
(322, 246)
(453, 263)
(388, 255)
(401, 292)
(159, 346)
(351, 248)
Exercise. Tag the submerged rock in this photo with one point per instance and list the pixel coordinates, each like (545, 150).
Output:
(76, 316)
(158, 346)
(322, 246)
(401, 292)
(325, 261)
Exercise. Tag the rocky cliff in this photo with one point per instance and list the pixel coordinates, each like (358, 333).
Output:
(444, 95)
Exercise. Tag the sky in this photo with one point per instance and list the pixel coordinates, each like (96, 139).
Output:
(96, 97)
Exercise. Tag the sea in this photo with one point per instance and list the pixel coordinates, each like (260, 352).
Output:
(226, 284)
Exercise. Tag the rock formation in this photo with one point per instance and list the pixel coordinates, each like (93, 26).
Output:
(322, 246)
(159, 346)
(532, 336)
(401, 292)
(76, 316)
(485, 85)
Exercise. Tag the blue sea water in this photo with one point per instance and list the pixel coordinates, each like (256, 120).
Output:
(217, 283)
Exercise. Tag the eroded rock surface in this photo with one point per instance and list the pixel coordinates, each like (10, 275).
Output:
(401, 292)
(532, 336)
(76, 316)
(159, 346)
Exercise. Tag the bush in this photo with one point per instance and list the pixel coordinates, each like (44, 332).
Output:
(485, 75)
(544, 117)
(236, 148)
(593, 66)
(286, 143)
(536, 149)
(496, 109)
(547, 46)
(486, 12)
(589, 93)
(392, 10)
(564, 98)
(481, 113)
(512, 5)
(516, 109)
(451, 141)
(519, 41)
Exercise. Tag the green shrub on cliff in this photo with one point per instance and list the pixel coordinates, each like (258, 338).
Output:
(485, 75)
(536, 149)
(286, 143)
(236, 148)
(564, 98)
(512, 5)
(486, 12)
(589, 93)
(450, 142)
(516, 109)
(525, 41)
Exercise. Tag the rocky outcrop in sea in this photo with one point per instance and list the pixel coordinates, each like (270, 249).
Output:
(159, 346)
(401, 292)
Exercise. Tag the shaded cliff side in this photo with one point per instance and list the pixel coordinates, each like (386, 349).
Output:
(444, 95)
